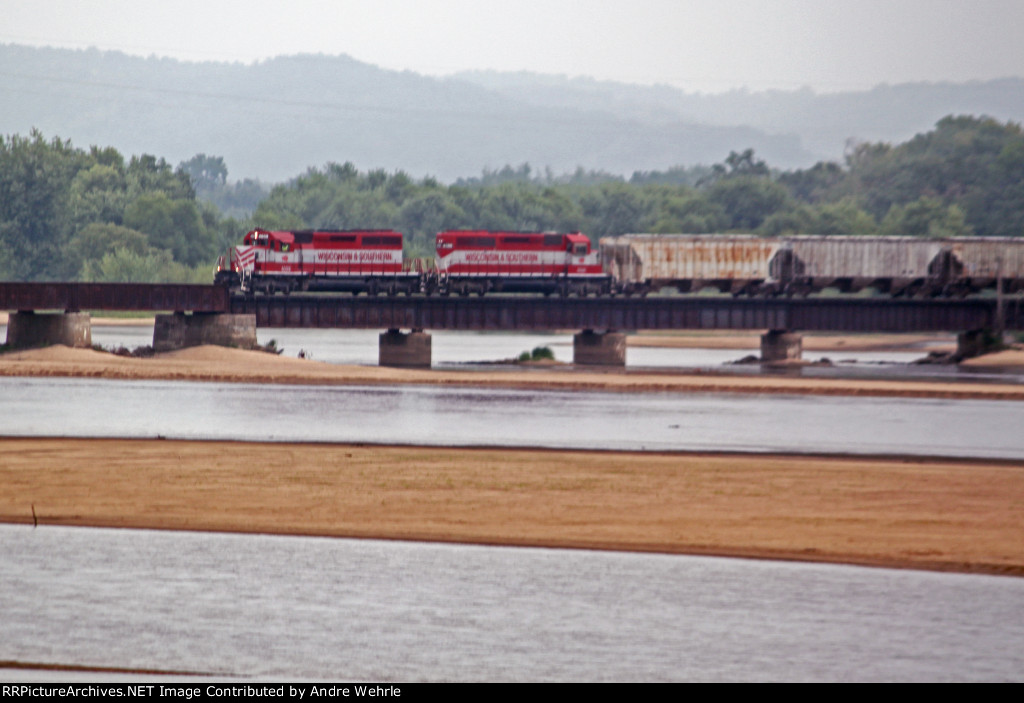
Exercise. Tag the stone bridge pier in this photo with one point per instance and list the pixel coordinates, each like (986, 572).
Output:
(179, 330)
(404, 349)
(590, 348)
(977, 342)
(26, 329)
(781, 345)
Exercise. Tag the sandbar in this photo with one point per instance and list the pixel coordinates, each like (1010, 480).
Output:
(932, 514)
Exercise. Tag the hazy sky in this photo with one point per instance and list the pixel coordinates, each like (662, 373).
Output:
(706, 45)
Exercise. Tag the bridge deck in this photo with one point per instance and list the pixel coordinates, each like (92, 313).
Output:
(850, 314)
(74, 297)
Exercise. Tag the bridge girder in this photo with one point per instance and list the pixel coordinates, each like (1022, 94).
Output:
(495, 313)
(668, 313)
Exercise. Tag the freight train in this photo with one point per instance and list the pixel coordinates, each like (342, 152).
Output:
(480, 262)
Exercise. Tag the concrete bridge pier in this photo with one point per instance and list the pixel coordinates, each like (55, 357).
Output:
(599, 348)
(179, 330)
(26, 329)
(781, 345)
(977, 342)
(404, 350)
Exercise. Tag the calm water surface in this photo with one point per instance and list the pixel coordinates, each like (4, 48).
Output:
(288, 607)
(441, 416)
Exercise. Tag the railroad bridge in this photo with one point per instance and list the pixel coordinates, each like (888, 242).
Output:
(211, 315)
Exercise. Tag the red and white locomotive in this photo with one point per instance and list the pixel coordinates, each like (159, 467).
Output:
(518, 262)
(358, 261)
(371, 261)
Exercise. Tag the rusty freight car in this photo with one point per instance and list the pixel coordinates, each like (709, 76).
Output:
(803, 264)
(732, 263)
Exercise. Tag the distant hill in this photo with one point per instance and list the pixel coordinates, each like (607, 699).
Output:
(823, 122)
(274, 119)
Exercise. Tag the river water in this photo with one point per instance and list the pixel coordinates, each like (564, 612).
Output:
(307, 608)
(440, 416)
(288, 607)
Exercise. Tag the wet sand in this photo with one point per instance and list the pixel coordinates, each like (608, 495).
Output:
(947, 515)
(210, 363)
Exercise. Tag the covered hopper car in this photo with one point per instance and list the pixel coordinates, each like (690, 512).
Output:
(802, 264)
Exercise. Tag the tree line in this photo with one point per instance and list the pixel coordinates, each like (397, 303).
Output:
(73, 214)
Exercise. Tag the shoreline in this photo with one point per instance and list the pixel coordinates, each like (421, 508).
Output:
(220, 364)
(893, 512)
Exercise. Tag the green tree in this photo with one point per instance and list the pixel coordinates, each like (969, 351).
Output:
(926, 217)
(208, 173)
(797, 220)
(355, 209)
(174, 225)
(843, 217)
(124, 265)
(677, 175)
(974, 163)
(98, 194)
(816, 184)
(35, 213)
(95, 240)
(147, 174)
(425, 215)
(687, 212)
(749, 200)
(613, 209)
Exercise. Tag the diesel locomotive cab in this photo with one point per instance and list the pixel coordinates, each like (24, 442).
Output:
(237, 271)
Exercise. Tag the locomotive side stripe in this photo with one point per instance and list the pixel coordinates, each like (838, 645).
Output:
(520, 264)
